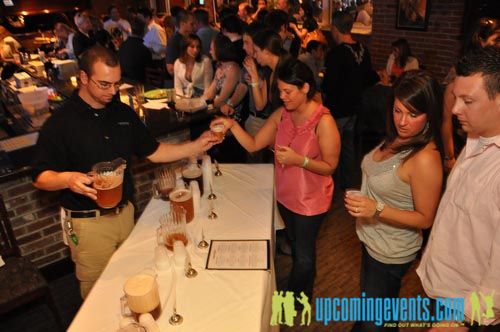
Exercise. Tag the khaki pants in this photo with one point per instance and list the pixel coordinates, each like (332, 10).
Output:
(98, 238)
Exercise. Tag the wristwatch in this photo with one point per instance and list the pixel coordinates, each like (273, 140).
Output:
(378, 208)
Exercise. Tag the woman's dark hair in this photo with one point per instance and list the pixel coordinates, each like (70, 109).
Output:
(404, 51)
(252, 29)
(269, 40)
(224, 49)
(483, 29)
(185, 42)
(419, 93)
(232, 23)
(310, 24)
(297, 73)
(276, 19)
(261, 16)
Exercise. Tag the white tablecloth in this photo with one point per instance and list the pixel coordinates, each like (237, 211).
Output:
(215, 300)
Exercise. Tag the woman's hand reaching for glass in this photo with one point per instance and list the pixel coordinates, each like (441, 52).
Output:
(220, 126)
(360, 206)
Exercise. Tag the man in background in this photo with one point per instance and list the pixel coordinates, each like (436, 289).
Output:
(462, 257)
(186, 25)
(348, 72)
(83, 38)
(134, 56)
(155, 37)
(117, 26)
(204, 30)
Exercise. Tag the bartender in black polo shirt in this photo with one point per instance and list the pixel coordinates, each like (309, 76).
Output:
(93, 127)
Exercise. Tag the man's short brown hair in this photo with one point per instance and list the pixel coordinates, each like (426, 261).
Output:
(96, 54)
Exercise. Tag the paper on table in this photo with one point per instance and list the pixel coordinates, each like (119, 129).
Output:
(155, 105)
(238, 255)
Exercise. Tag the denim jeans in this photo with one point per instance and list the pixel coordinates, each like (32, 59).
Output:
(302, 232)
(379, 280)
(347, 174)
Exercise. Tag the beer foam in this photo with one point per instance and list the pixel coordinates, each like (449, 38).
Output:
(180, 195)
(192, 172)
(218, 128)
(139, 285)
(107, 180)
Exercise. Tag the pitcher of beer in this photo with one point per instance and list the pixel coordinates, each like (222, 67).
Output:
(141, 295)
(193, 173)
(107, 179)
(183, 198)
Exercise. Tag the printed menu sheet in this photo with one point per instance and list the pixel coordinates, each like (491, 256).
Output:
(238, 255)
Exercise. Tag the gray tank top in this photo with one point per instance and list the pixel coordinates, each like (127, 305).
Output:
(387, 243)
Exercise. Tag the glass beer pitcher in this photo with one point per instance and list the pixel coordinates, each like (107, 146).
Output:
(107, 179)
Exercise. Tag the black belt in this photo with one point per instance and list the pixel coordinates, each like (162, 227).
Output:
(94, 213)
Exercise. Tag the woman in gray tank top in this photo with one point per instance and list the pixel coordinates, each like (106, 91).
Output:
(401, 187)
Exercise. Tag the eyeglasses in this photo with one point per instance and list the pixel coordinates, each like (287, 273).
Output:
(103, 85)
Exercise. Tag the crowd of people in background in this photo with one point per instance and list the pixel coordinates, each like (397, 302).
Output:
(292, 98)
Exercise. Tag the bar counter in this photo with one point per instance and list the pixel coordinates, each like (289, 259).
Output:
(35, 213)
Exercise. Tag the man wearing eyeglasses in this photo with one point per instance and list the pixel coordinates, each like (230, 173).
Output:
(93, 127)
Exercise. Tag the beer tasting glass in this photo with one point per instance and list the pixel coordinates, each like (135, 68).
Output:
(218, 131)
(164, 182)
(173, 228)
(353, 192)
(141, 295)
(107, 179)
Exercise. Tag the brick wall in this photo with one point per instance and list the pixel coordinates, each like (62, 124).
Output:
(35, 213)
(437, 48)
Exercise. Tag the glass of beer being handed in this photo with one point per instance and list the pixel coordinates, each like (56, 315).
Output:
(218, 131)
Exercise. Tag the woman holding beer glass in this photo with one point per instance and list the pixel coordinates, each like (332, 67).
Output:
(401, 188)
(307, 145)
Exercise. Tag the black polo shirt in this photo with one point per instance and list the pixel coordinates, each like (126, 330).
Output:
(78, 136)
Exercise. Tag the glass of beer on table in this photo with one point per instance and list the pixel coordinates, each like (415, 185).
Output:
(173, 227)
(141, 295)
(107, 179)
(164, 182)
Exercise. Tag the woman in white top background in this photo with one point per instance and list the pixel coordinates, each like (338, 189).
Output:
(193, 71)
(401, 59)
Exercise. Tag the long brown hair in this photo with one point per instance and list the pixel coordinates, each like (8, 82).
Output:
(422, 94)
(186, 41)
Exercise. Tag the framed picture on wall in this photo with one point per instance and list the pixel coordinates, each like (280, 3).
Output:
(413, 14)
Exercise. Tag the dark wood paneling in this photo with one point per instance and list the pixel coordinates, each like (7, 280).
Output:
(38, 7)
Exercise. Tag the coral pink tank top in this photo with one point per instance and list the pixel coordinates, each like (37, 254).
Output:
(298, 189)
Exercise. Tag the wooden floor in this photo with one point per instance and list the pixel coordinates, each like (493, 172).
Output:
(338, 262)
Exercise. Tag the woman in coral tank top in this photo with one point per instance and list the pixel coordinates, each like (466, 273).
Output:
(307, 145)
